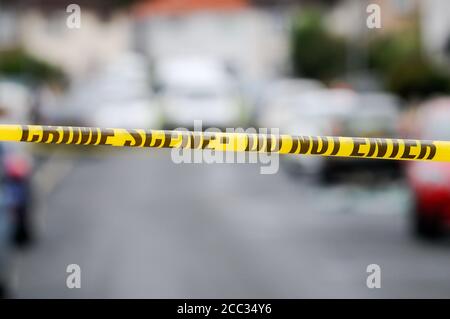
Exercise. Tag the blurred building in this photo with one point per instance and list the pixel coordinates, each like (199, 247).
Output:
(251, 34)
(253, 40)
(435, 28)
(348, 18)
(40, 28)
(8, 29)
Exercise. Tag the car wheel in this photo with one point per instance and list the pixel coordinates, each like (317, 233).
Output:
(327, 176)
(425, 226)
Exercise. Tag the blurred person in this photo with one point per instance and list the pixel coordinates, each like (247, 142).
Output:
(15, 160)
(6, 229)
(5, 253)
(17, 166)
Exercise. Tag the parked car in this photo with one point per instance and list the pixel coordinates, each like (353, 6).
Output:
(375, 114)
(318, 112)
(197, 88)
(280, 97)
(120, 95)
(430, 181)
(303, 107)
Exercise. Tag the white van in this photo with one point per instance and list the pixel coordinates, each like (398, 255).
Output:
(197, 88)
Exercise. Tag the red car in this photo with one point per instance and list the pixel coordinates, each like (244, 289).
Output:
(430, 181)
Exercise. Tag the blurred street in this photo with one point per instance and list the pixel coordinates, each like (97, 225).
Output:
(141, 226)
(138, 226)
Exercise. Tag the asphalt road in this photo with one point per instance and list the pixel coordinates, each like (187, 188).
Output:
(141, 226)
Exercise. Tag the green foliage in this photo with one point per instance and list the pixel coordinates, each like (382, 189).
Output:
(315, 52)
(17, 63)
(396, 58)
(416, 77)
(385, 51)
(404, 68)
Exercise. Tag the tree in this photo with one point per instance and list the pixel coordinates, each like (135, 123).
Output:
(18, 63)
(315, 52)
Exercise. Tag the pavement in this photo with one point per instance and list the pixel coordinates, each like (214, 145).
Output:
(140, 226)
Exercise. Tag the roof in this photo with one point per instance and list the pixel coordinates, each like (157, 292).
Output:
(180, 7)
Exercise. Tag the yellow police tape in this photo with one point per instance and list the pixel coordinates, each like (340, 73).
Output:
(381, 148)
